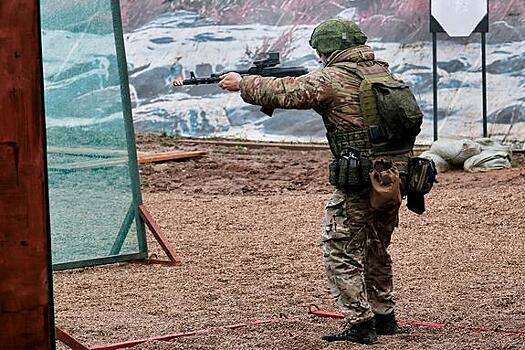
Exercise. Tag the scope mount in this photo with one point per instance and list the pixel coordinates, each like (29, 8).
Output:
(271, 61)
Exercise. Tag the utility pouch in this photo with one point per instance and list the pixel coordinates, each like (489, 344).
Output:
(333, 172)
(366, 167)
(346, 171)
(342, 180)
(385, 193)
(353, 173)
(421, 177)
(398, 109)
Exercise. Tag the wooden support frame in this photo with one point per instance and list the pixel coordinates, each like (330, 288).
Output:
(166, 246)
(68, 340)
(160, 237)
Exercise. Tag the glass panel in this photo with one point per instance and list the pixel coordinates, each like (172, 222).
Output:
(204, 36)
(89, 183)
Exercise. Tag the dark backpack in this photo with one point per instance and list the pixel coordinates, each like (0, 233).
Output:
(398, 109)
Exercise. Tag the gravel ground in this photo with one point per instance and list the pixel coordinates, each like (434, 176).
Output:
(246, 223)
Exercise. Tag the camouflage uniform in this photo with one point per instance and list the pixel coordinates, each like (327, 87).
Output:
(355, 237)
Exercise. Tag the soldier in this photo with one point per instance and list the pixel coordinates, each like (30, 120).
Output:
(371, 149)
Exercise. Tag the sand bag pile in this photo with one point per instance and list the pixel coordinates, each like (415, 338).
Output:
(472, 155)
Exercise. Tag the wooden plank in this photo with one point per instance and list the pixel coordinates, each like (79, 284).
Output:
(168, 156)
(90, 164)
(71, 342)
(157, 233)
(283, 145)
(87, 152)
(26, 312)
(253, 144)
(143, 159)
(99, 261)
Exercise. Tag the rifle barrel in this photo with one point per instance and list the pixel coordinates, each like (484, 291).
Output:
(200, 81)
(278, 72)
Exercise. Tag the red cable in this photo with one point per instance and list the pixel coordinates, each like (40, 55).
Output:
(168, 337)
(314, 310)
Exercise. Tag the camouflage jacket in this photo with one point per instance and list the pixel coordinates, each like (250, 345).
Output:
(333, 91)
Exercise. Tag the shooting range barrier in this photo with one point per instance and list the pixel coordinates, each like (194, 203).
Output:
(94, 187)
(94, 216)
(96, 210)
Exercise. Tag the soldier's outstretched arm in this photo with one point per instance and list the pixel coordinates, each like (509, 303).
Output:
(308, 91)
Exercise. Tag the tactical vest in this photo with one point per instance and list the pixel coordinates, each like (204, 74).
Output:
(390, 112)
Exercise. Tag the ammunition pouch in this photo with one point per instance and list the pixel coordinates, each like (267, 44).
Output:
(350, 170)
(385, 191)
(421, 178)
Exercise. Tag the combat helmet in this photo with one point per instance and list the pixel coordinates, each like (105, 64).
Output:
(336, 34)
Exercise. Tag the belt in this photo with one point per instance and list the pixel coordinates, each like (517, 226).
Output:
(361, 139)
(372, 140)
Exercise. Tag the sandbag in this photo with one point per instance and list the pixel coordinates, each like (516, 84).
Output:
(441, 164)
(456, 152)
(489, 144)
(488, 160)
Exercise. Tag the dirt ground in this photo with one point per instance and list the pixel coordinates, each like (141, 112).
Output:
(246, 223)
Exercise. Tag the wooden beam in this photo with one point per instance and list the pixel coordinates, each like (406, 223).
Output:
(283, 145)
(26, 303)
(87, 152)
(68, 340)
(90, 164)
(253, 144)
(143, 159)
(159, 236)
(168, 156)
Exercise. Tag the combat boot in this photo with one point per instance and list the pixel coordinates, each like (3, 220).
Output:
(386, 324)
(362, 333)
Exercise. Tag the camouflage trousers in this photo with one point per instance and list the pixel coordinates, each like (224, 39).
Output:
(355, 239)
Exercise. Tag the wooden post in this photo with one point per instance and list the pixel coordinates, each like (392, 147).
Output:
(26, 311)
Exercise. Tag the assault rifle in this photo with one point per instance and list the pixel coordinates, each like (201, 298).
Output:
(265, 68)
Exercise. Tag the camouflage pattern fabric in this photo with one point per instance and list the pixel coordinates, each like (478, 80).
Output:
(333, 91)
(355, 241)
(355, 238)
(336, 34)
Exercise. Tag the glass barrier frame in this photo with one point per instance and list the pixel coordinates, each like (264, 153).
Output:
(133, 214)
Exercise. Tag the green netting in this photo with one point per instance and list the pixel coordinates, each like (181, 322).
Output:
(93, 180)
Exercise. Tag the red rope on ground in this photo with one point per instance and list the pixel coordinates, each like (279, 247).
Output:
(314, 310)
(168, 337)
